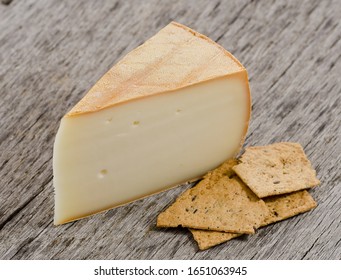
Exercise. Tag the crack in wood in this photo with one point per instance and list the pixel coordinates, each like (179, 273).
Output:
(24, 205)
(310, 11)
(310, 248)
(335, 42)
(238, 14)
(15, 213)
(214, 11)
(6, 2)
(4, 163)
(220, 36)
(28, 241)
(115, 7)
(281, 75)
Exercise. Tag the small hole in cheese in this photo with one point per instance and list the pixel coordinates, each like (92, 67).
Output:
(102, 173)
(108, 120)
(136, 123)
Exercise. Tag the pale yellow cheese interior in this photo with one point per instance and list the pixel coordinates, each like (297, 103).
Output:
(118, 146)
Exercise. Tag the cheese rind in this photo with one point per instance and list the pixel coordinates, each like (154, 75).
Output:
(174, 58)
(118, 146)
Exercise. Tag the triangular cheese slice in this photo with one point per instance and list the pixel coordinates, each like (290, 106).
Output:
(169, 111)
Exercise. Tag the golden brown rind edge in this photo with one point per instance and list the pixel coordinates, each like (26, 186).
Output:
(72, 113)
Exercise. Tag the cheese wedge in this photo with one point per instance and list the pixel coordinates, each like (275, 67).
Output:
(168, 112)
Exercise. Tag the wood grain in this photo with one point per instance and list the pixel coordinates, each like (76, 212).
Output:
(52, 52)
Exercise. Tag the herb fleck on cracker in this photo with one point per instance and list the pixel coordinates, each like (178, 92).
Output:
(220, 203)
(281, 207)
(276, 169)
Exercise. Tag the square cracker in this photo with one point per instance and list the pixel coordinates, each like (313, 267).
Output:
(276, 169)
(217, 203)
(288, 205)
(281, 207)
(210, 238)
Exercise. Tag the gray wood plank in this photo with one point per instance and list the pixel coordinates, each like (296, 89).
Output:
(52, 52)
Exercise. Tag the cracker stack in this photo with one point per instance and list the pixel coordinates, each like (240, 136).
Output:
(265, 186)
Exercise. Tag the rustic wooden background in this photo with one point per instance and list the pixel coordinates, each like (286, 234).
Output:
(52, 52)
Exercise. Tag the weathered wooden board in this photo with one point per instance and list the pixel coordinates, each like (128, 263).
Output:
(52, 52)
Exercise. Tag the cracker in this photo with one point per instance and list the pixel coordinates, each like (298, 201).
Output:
(276, 169)
(288, 205)
(281, 207)
(217, 203)
(209, 238)
(223, 170)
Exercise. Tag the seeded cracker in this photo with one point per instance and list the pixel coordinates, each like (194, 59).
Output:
(217, 203)
(276, 169)
(288, 205)
(281, 207)
(209, 238)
